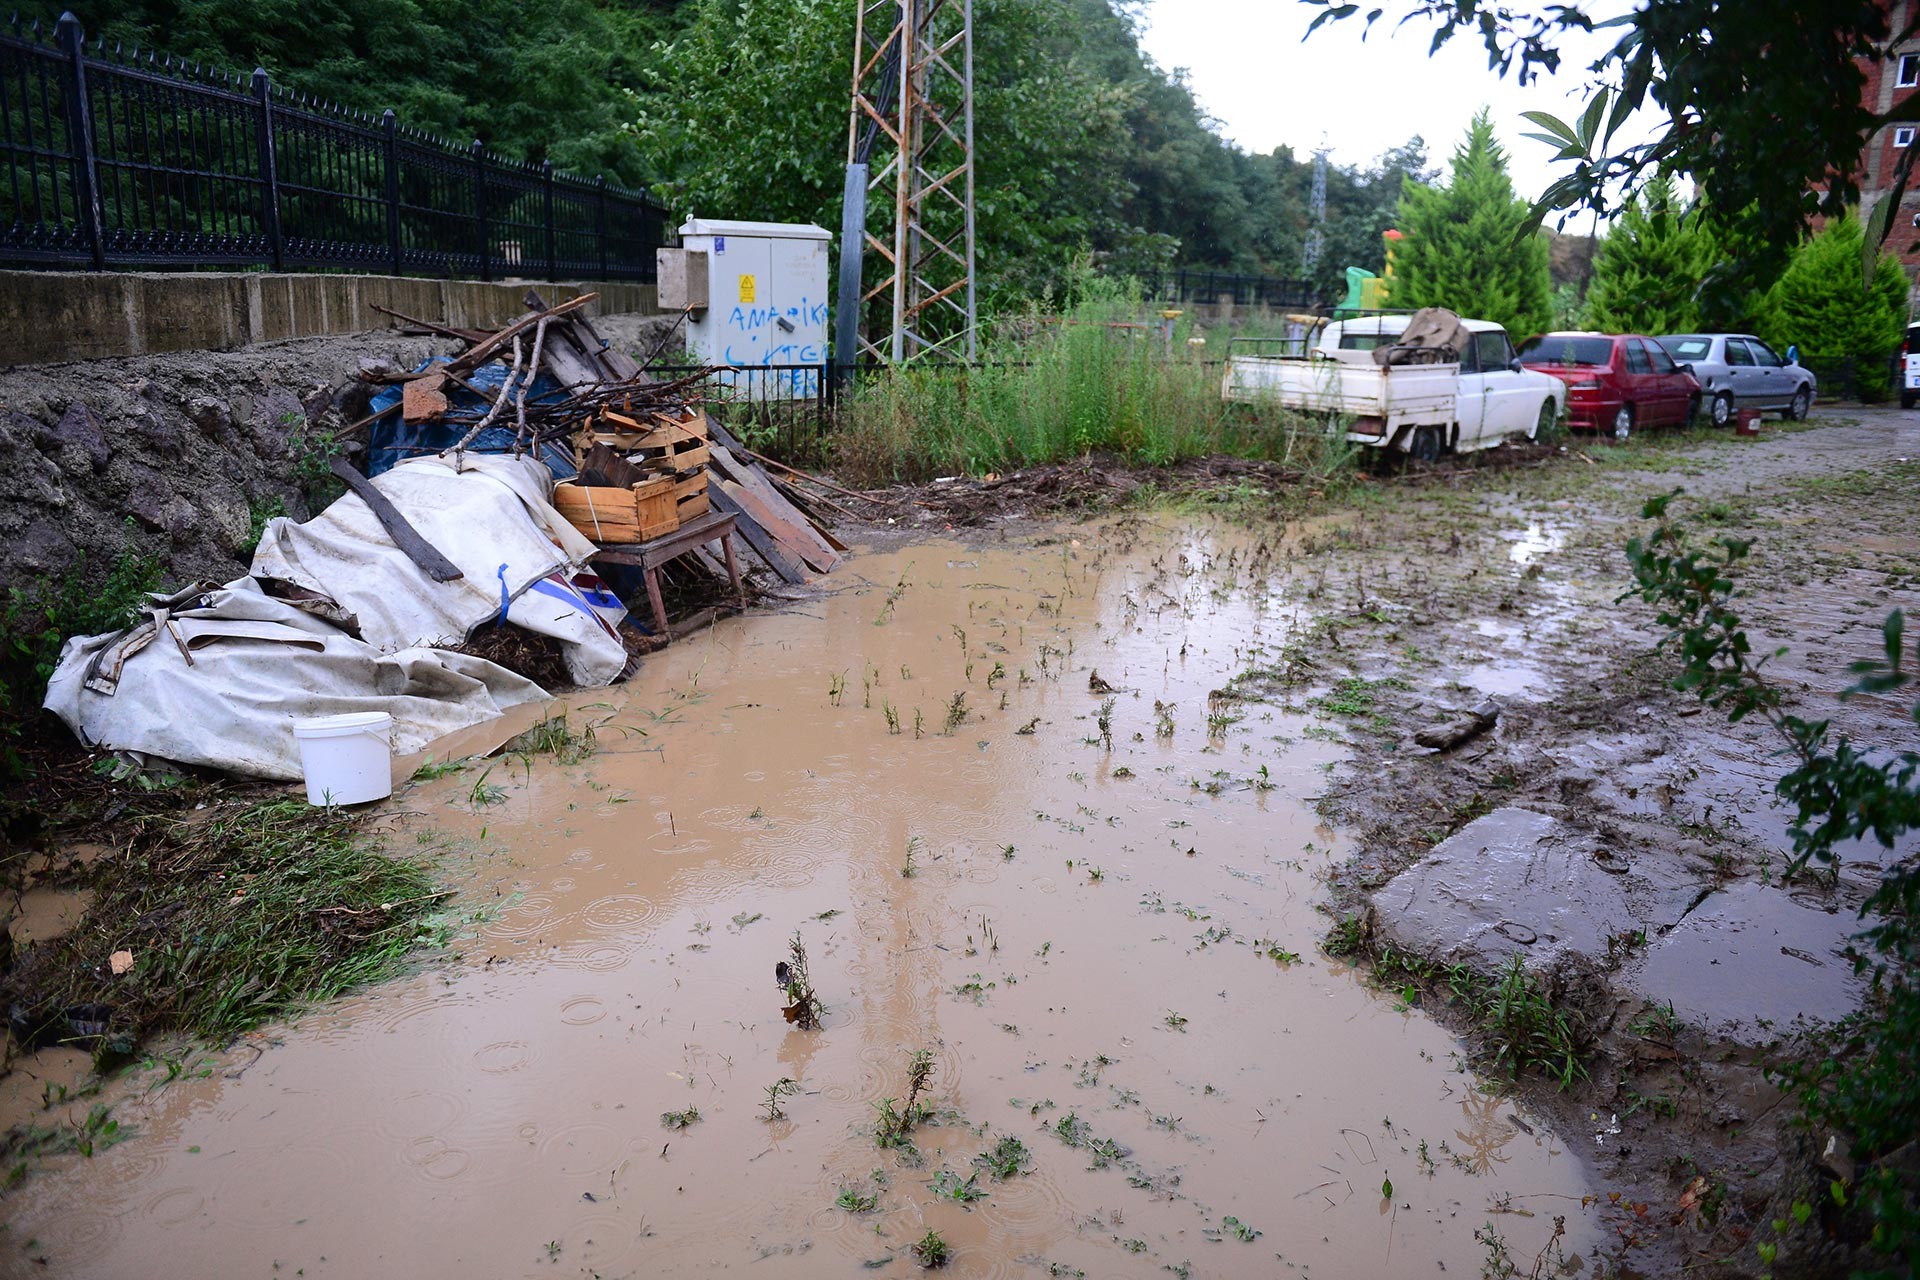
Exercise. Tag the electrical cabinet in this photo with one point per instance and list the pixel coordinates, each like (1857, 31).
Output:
(765, 319)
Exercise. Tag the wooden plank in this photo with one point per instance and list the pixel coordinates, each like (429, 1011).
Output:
(603, 465)
(797, 531)
(405, 536)
(778, 526)
(790, 569)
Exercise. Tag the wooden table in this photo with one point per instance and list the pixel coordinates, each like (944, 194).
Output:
(715, 526)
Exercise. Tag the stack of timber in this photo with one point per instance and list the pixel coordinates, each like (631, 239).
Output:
(647, 457)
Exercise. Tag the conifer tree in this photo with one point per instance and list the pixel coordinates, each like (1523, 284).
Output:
(1460, 250)
(1647, 276)
(1818, 305)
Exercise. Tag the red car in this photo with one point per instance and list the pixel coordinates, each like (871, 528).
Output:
(1615, 382)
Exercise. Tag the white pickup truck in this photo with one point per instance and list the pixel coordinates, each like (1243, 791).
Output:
(1484, 399)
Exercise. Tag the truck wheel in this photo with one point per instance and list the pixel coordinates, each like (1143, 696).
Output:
(1723, 409)
(1426, 445)
(1543, 425)
(1623, 422)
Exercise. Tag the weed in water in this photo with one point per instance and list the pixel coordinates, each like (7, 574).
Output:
(784, 1087)
(857, 1200)
(836, 688)
(1176, 1021)
(919, 723)
(680, 1119)
(893, 598)
(484, 793)
(914, 846)
(430, 769)
(253, 912)
(949, 1185)
(892, 715)
(956, 712)
(1008, 1157)
(804, 1008)
(1105, 721)
(1162, 720)
(931, 1250)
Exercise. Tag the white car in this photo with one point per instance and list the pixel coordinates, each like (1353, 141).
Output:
(1485, 399)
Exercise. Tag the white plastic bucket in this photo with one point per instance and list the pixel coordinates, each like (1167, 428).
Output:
(348, 759)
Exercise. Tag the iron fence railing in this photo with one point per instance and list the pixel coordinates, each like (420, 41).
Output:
(109, 159)
(1192, 285)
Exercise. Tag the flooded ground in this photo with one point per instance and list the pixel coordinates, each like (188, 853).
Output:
(1096, 911)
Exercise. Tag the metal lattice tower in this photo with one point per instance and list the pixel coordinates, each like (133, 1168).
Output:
(1316, 216)
(913, 106)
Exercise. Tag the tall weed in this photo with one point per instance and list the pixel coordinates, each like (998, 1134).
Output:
(1053, 388)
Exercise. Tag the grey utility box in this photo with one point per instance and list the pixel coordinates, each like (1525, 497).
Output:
(682, 279)
(766, 295)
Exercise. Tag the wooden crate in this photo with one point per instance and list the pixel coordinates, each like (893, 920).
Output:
(658, 443)
(607, 514)
(690, 496)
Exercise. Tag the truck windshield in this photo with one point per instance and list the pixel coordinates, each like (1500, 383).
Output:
(1561, 349)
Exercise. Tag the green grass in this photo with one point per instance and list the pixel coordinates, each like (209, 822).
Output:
(247, 915)
(1065, 391)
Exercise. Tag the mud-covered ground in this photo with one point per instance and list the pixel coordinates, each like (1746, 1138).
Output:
(1627, 845)
(1619, 840)
(1074, 809)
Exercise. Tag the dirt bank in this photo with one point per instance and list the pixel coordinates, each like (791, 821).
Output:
(176, 459)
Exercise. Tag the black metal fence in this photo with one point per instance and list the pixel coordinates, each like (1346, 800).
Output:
(1188, 285)
(113, 159)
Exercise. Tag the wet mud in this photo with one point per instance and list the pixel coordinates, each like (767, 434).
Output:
(1020, 816)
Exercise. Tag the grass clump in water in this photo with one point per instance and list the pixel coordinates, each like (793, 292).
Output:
(234, 919)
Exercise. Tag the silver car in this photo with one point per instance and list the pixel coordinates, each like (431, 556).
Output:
(1738, 371)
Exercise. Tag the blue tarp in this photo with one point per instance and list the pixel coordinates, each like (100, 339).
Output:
(394, 440)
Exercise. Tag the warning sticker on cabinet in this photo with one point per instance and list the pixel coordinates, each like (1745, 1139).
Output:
(748, 288)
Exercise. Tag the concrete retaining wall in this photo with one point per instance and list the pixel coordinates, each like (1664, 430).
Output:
(48, 316)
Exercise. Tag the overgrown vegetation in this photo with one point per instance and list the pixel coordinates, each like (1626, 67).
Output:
(231, 919)
(37, 619)
(1049, 391)
(1862, 1078)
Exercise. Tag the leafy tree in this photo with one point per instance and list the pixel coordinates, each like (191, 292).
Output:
(1697, 67)
(1460, 250)
(1647, 274)
(537, 82)
(1819, 305)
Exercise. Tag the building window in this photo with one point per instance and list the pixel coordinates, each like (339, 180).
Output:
(1909, 71)
(1903, 136)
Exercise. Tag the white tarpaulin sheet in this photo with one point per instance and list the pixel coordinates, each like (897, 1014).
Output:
(492, 519)
(257, 664)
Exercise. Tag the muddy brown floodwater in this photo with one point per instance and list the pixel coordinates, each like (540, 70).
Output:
(1096, 936)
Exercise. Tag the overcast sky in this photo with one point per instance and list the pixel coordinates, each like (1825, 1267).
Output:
(1251, 71)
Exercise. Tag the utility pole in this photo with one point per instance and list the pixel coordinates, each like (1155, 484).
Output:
(907, 289)
(1316, 217)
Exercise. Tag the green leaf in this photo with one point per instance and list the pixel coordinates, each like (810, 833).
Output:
(1386, 1188)
(1552, 124)
(1590, 119)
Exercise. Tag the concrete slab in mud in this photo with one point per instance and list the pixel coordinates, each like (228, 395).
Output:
(1749, 962)
(1516, 882)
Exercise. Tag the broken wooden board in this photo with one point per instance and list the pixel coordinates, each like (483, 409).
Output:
(782, 530)
(790, 569)
(774, 511)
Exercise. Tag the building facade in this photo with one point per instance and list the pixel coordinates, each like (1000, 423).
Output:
(1890, 80)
